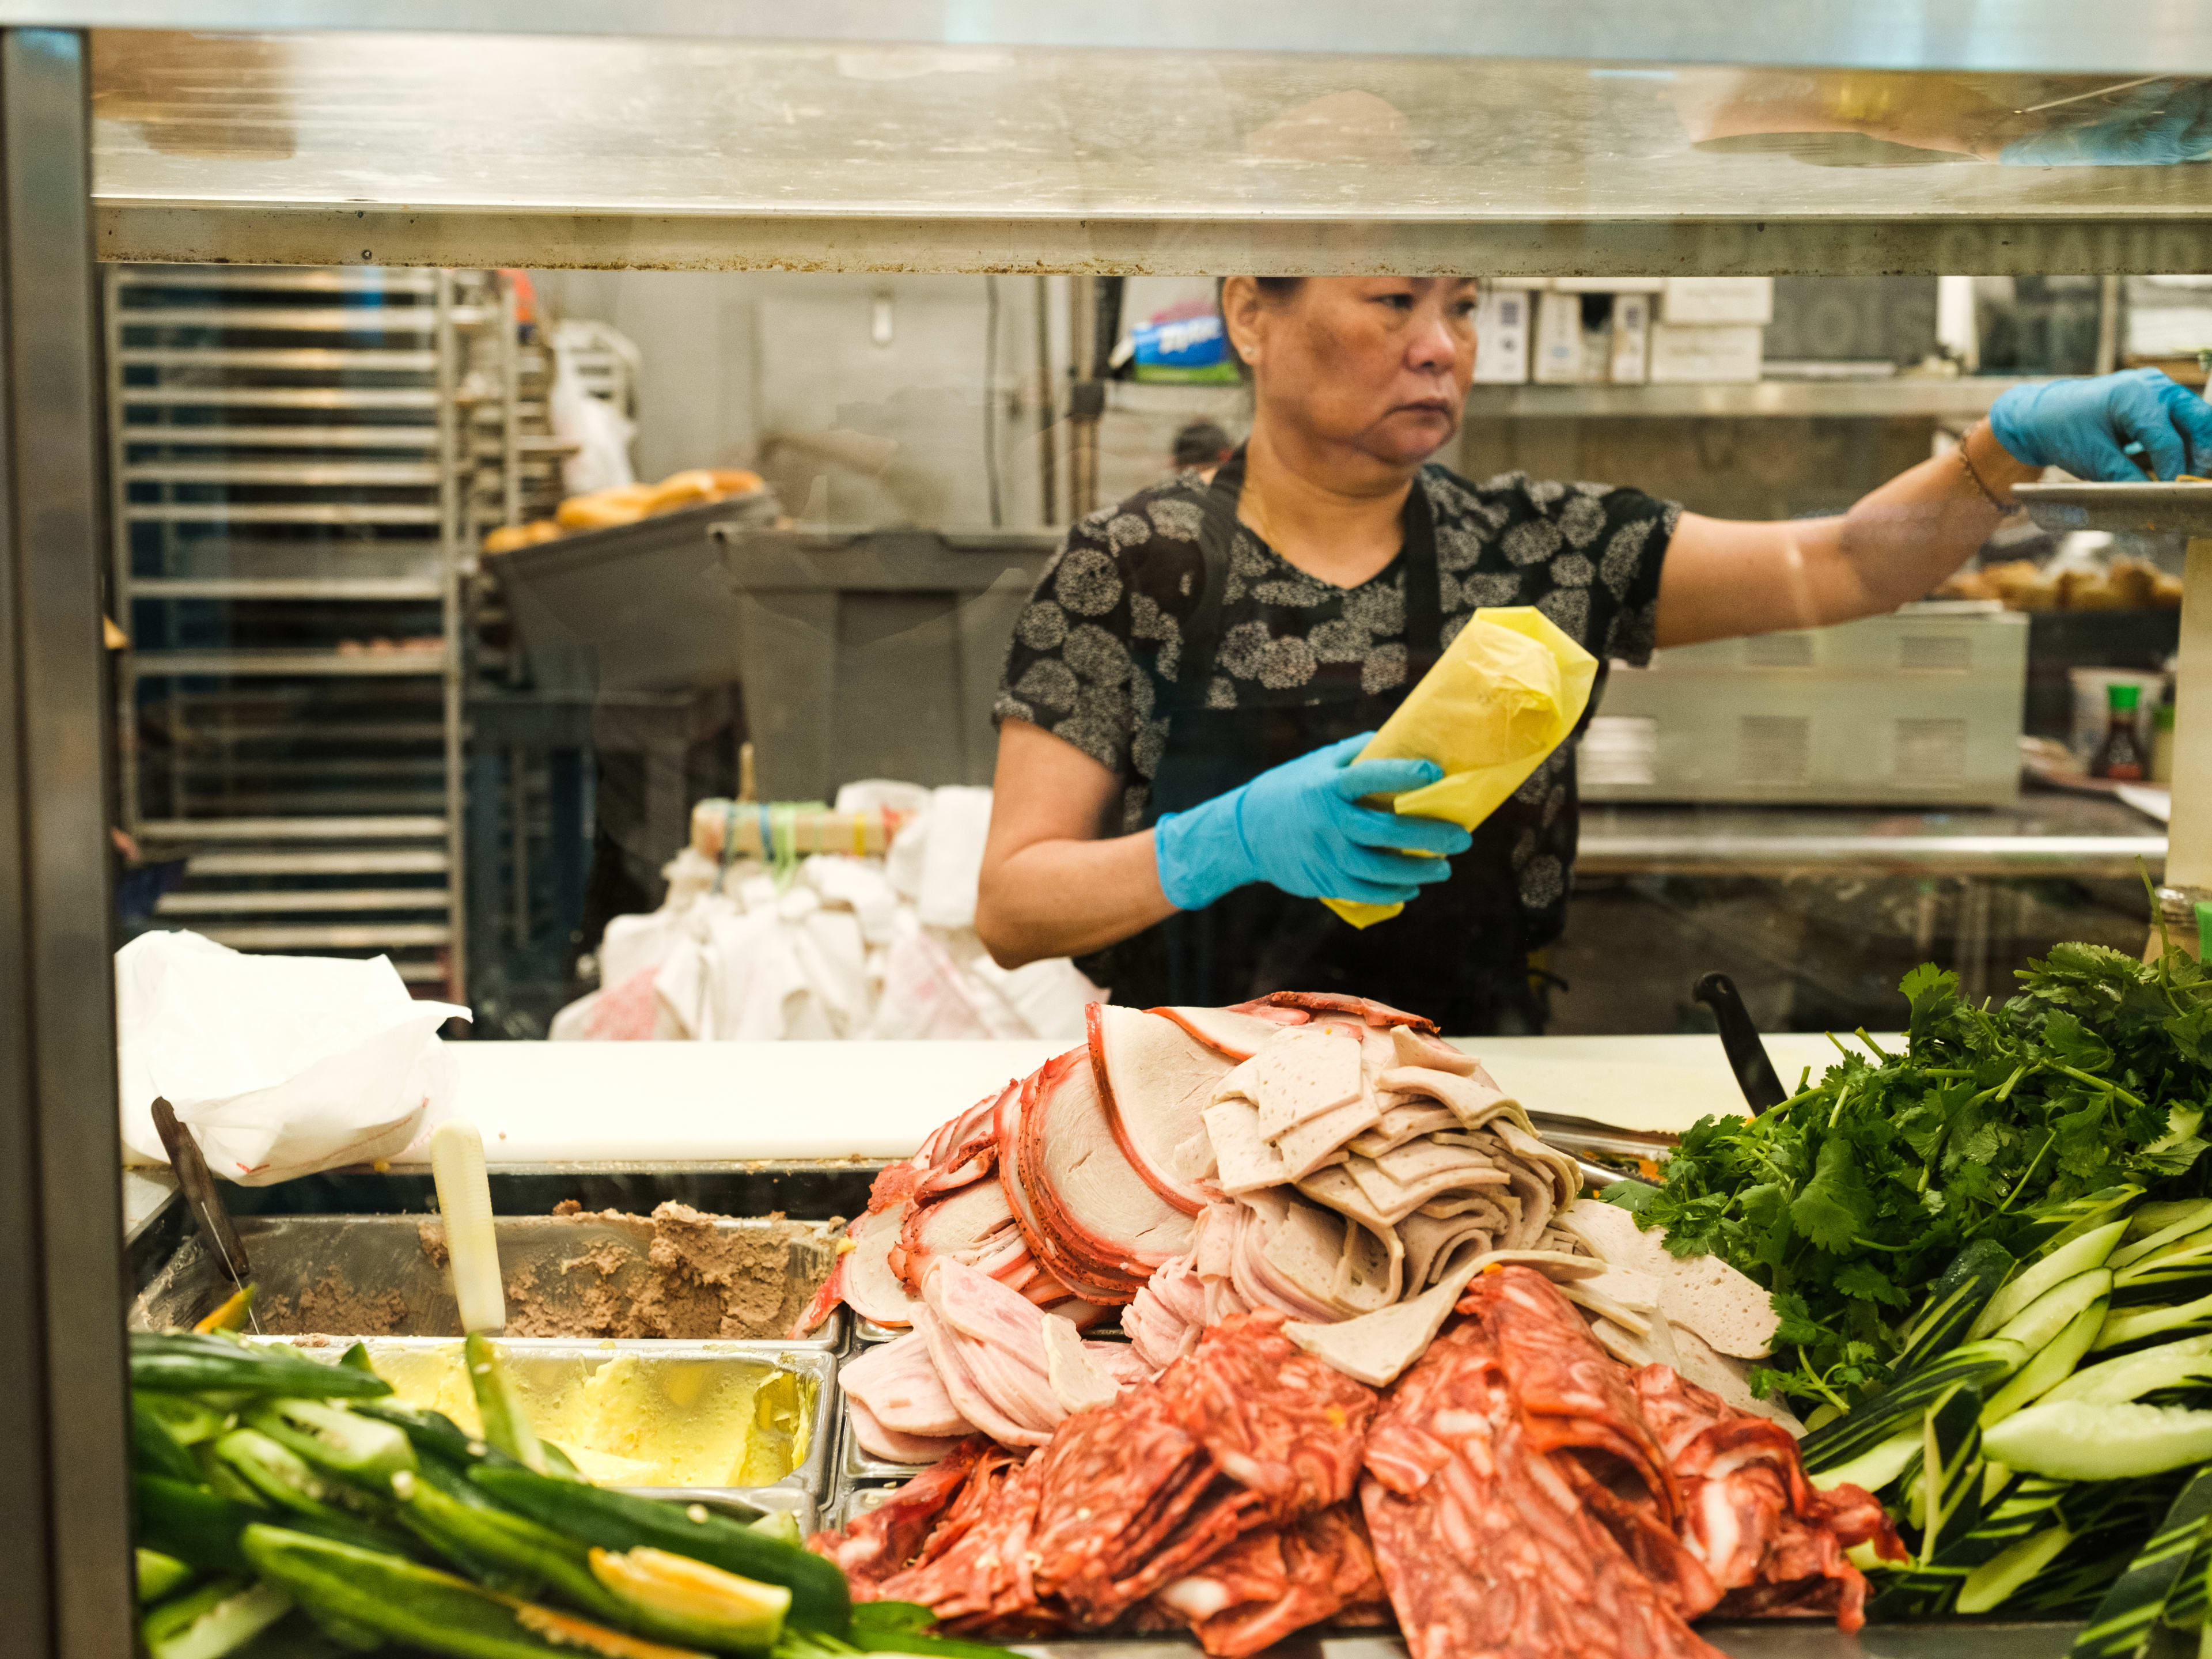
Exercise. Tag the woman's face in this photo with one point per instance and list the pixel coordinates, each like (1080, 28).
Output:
(1375, 365)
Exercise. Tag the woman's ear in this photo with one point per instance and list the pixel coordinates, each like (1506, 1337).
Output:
(1240, 314)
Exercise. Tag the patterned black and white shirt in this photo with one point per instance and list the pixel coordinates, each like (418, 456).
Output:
(1103, 630)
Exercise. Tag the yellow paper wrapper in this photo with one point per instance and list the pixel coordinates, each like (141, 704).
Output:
(1506, 692)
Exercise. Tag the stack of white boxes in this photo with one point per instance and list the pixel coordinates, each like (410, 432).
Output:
(1661, 329)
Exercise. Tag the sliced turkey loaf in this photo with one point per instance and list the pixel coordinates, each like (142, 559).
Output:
(1310, 1144)
(1475, 1102)
(1412, 1048)
(872, 1289)
(1072, 1166)
(1154, 1078)
(1079, 1382)
(1301, 1073)
(1243, 1161)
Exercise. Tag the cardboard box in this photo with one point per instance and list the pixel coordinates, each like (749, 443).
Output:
(1630, 360)
(1718, 300)
(1558, 358)
(1684, 354)
(1502, 327)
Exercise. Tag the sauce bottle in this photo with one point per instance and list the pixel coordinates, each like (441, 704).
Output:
(2121, 756)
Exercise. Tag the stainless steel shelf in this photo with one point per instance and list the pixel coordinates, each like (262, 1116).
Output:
(305, 319)
(151, 664)
(281, 437)
(315, 475)
(286, 278)
(287, 587)
(404, 828)
(279, 397)
(1604, 854)
(1967, 396)
(354, 862)
(329, 512)
(305, 936)
(307, 901)
(325, 358)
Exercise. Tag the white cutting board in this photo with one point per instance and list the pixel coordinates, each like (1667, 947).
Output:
(1659, 1085)
(558, 1103)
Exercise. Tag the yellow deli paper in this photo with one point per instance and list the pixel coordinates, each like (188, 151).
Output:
(1506, 692)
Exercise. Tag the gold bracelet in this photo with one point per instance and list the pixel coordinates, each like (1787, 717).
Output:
(1988, 494)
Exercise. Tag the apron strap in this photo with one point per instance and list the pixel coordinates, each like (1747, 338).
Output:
(1217, 530)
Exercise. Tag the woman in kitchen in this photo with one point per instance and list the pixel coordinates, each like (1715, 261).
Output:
(1188, 688)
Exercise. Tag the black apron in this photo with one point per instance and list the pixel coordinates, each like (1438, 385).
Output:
(1455, 954)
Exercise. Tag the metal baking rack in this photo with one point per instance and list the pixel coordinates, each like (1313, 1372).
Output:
(287, 497)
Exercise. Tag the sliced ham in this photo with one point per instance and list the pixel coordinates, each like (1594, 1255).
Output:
(872, 1289)
(890, 1445)
(969, 1395)
(1154, 1078)
(1224, 1030)
(898, 1384)
(1085, 1188)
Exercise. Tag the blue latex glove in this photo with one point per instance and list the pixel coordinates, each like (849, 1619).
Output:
(1301, 827)
(2085, 426)
(2153, 126)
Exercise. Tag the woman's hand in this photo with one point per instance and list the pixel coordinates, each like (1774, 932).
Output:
(1301, 828)
(2085, 426)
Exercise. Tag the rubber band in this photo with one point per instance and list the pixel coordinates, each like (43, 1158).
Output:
(859, 835)
(729, 849)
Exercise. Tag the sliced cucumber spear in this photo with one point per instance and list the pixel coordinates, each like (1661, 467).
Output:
(2126, 1620)
(2052, 1364)
(2072, 1440)
(2083, 1253)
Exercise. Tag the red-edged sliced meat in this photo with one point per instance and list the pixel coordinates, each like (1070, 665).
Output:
(1274, 1012)
(1155, 1079)
(882, 1542)
(826, 1302)
(1224, 1030)
(894, 1184)
(1086, 1191)
(1044, 1245)
(968, 1222)
(962, 1150)
(1315, 1003)
(872, 1289)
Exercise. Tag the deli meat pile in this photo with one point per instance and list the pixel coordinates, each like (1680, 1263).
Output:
(1319, 1157)
(1518, 1491)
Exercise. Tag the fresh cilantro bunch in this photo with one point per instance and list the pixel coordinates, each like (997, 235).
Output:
(1849, 1199)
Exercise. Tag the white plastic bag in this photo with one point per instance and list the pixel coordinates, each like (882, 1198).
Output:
(600, 432)
(281, 1065)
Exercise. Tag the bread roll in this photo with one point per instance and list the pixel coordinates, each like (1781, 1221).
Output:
(507, 537)
(603, 509)
(680, 489)
(735, 481)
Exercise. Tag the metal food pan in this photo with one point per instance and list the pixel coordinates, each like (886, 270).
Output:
(817, 1369)
(573, 1278)
(856, 1503)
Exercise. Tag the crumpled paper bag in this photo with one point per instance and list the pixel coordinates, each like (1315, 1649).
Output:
(1506, 692)
(281, 1065)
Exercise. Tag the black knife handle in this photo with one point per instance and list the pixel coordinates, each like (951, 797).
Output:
(1754, 1071)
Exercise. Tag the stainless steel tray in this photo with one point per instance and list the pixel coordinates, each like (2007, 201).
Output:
(820, 1421)
(854, 1465)
(2137, 509)
(384, 1275)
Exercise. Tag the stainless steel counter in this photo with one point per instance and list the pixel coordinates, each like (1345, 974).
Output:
(2048, 833)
